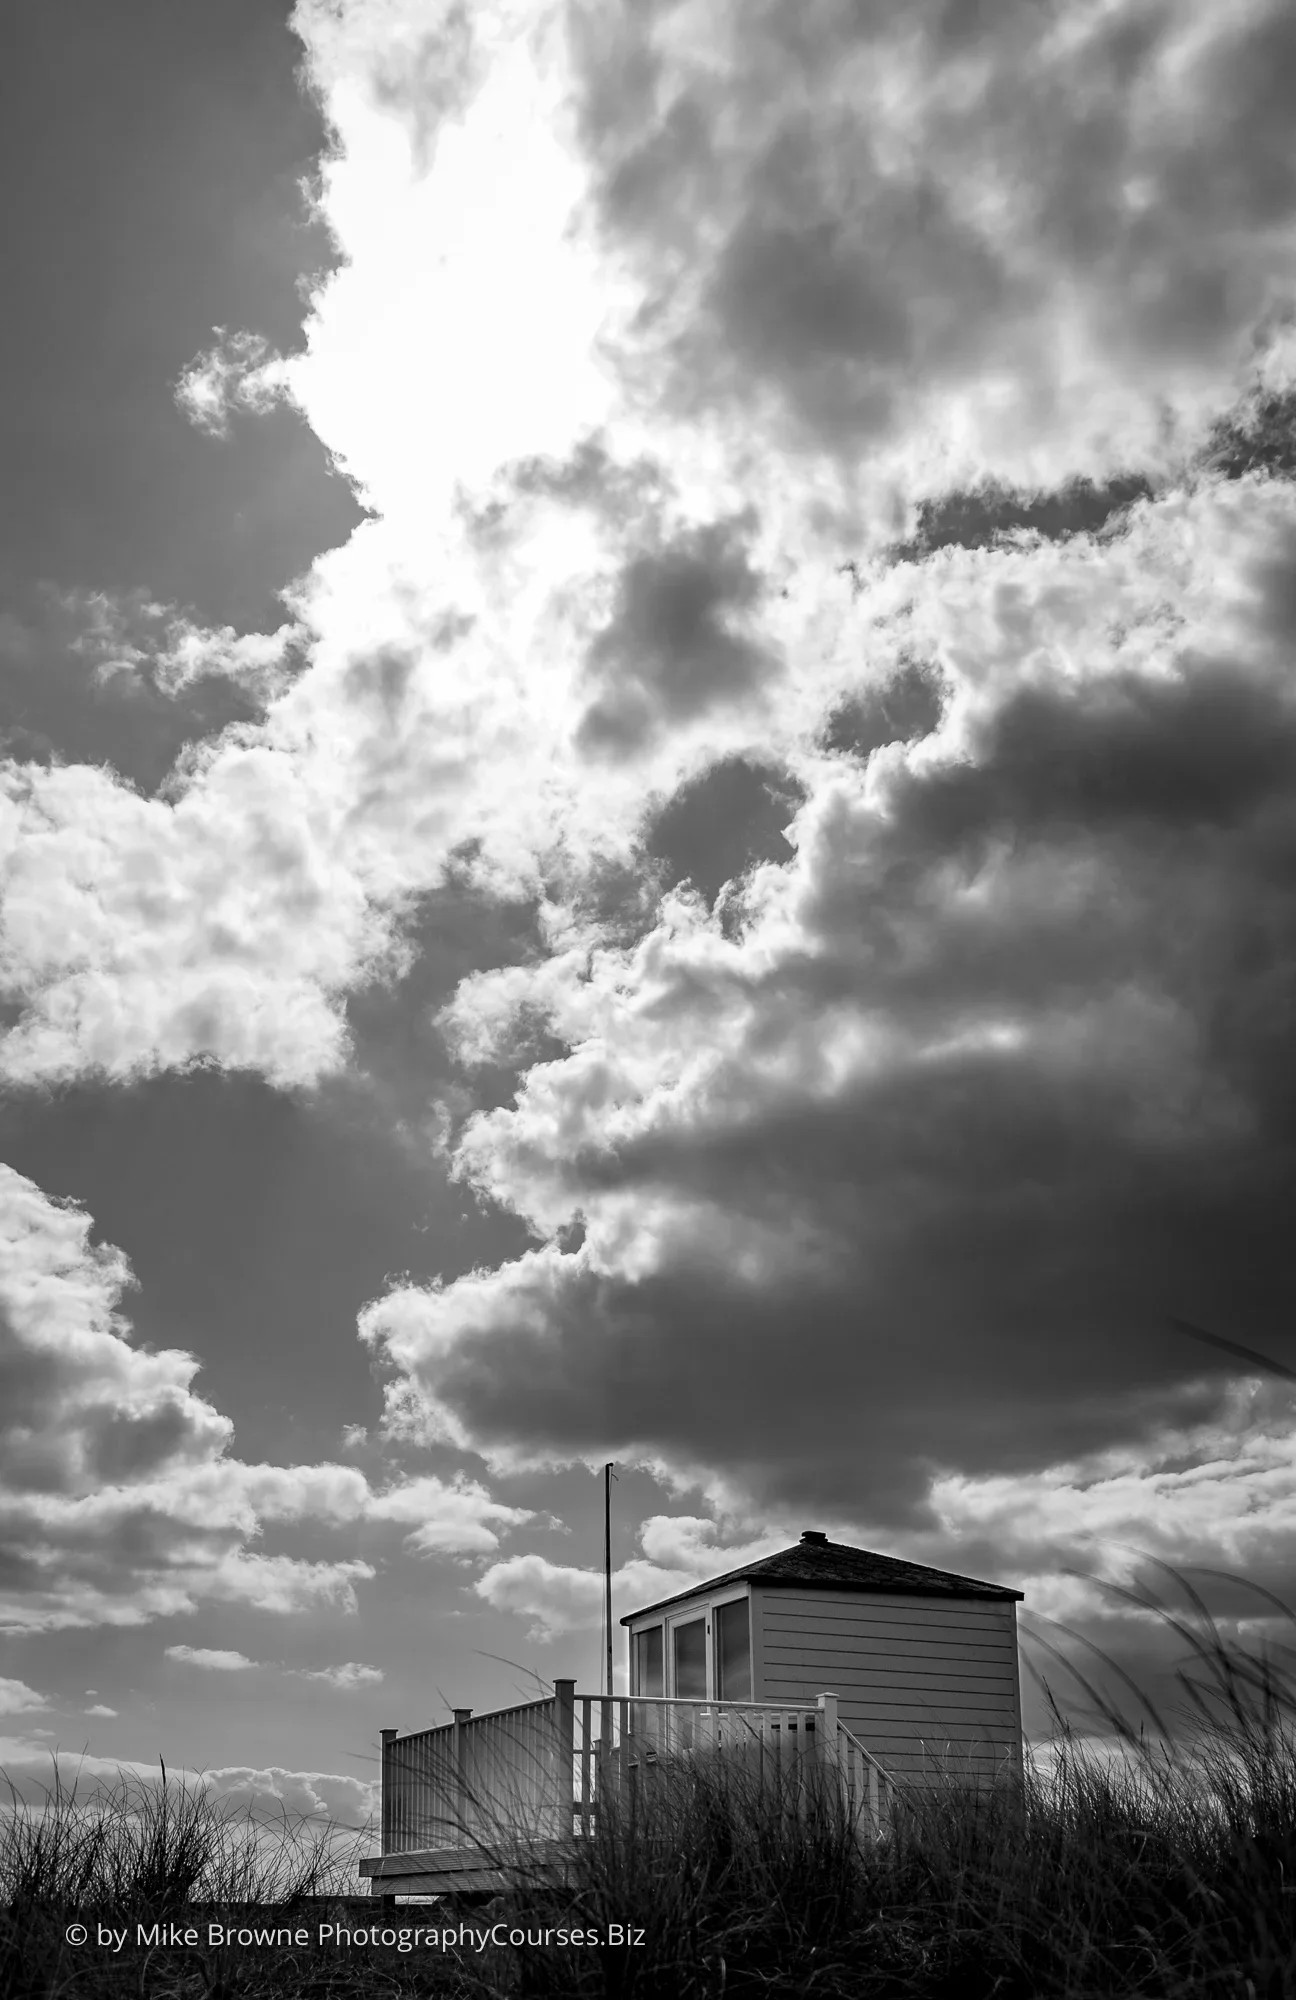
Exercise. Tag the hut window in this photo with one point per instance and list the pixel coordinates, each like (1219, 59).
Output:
(690, 1660)
(733, 1651)
(648, 1661)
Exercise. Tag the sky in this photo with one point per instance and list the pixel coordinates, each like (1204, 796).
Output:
(647, 813)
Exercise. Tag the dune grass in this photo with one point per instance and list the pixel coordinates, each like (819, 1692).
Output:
(1131, 1858)
(140, 1853)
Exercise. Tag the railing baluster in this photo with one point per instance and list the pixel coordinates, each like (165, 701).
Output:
(534, 1767)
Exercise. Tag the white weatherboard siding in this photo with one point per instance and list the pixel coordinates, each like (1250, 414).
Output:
(918, 1678)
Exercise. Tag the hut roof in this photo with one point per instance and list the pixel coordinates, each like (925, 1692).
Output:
(825, 1565)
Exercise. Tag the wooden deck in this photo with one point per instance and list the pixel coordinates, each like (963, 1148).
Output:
(464, 1802)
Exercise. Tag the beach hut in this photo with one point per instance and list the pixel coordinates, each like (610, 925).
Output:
(824, 1663)
(923, 1662)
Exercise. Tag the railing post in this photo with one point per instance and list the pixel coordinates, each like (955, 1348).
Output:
(564, 1752)
(387, 1802)
(828, 1747)
(461, 1716)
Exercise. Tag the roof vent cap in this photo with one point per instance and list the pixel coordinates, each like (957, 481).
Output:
(815, 1537)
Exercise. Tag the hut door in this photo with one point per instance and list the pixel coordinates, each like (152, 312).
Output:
(689, 1648)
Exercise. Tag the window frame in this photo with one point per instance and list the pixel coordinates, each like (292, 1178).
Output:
(636, 1633)
(740, 1596)
(695, 1614)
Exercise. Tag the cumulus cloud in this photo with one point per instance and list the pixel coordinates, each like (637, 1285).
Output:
(129, 634)
(678, 1551)
(889, 1165)
(897, 1180)
(120, 1499)
(215, 1659)
(348, 1802)
(1026, 237)
(100, 1709)
(16, 1698)
(33, 1767)
(351, 1674)
(238, 372)
(659, 599)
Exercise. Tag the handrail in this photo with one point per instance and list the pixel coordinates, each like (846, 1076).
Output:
(705, 1701)
(541, 1766)
(486, 1715)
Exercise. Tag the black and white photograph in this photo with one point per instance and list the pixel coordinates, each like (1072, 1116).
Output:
(648, 995)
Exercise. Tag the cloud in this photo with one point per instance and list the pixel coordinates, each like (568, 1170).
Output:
(213, 1658)
(99, 1709)
(686, 446)
(678, 1551)
(1017, 241)
(983, 1075)
(270, 1789)
(672, 646)
(894, 1181)
(352, 1674)
(16, 1698)
(32, 1769)
(120, 1500)
(240, 372)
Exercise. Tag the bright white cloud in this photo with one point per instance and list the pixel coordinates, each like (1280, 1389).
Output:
(32, 1767)
(664, 595)
(271, 1790)
(351, 1674)
(239, 372)
(215, 1659)
(678, 1551)
(16, 1698)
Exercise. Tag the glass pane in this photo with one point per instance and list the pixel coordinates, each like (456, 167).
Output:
(690, 1661)
(733, 1651)
(648, 1661)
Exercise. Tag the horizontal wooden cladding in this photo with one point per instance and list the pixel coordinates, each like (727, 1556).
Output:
(998, 1610)
(887, 1748)
(912, 1719)
(877, 1643)
(896, 1662)
(862, 1614)
(935, 1771)
(919, 1715)
(853, 1696)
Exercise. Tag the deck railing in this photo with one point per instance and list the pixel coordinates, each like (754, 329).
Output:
(541, 1769)
(470, 1779)
(799, 1746)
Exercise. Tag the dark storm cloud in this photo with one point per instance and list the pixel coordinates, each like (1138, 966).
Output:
(1260, 438)
(721, 823)
(905, 707)
(675, 644)
(974, 520)
(910, 1179)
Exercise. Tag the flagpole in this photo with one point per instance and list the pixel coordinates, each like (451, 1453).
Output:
(608, 1476)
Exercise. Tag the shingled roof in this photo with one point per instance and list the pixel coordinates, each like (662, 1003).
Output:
(826, 1565)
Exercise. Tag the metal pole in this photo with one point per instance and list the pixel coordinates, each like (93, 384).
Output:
(608, 1477)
